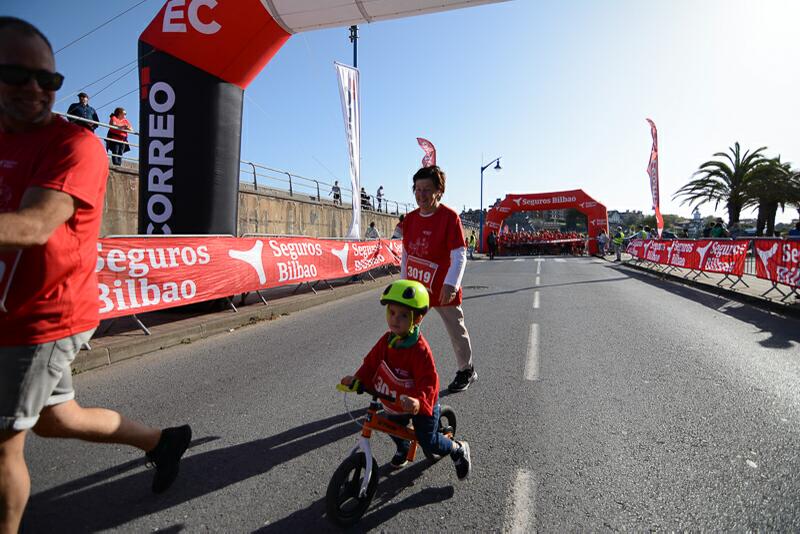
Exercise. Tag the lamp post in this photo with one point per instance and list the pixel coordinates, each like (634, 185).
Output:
(483, 168)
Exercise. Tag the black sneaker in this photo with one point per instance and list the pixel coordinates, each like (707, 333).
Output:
(166, 457)
(399, 460)
(462, 460)
(463, 380)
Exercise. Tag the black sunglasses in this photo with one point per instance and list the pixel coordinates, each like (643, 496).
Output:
(19, 75)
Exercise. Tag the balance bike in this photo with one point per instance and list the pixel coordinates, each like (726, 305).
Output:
(354, 482)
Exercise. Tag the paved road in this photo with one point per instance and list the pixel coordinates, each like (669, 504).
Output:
(607, 399)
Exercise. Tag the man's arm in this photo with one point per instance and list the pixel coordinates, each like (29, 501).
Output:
(94, 118)
(41, 211)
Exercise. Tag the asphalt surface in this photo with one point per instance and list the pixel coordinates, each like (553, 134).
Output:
(606, 400)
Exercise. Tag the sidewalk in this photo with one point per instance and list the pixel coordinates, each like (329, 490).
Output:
(756, 291)
(122, 338)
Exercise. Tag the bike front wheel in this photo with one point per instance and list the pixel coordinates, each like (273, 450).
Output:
(342, 502)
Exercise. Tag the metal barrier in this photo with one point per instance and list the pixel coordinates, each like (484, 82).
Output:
(262, 176)
(750, 267)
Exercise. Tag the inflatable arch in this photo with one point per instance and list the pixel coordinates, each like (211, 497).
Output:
(195, 60)
(596, 214)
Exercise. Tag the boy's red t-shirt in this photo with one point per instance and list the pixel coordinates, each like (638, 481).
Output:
(428, 241)
(402, 371)
(53, 292)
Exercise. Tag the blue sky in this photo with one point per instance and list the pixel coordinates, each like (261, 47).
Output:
(559, 89)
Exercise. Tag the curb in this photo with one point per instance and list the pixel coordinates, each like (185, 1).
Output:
(791, 310)
(192, 329)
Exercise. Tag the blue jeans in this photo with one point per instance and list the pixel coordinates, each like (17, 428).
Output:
(427, 430)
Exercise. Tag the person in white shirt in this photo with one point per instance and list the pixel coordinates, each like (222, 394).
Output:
(379, 197)
(337, 193)
(372, 232)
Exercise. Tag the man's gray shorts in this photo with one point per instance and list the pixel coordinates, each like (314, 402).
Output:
(35, 376)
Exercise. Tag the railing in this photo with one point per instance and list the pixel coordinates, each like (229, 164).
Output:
(262, 177)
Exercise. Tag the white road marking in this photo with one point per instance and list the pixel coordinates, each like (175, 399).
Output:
(537, 280)
(536, 300)
(524, 504)
(539, 268)
(532, 362)
(520, 259)
(539, 259)
(560, 260)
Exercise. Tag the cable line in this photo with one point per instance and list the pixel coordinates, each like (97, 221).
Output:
(114, 81)
(97, 28)
(101, 78)
(118, 98)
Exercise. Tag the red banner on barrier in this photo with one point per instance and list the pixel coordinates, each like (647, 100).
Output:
(726, 257)
(636, 249)
(137, 275)
(657, 250)
(778, 261)
(684, 255)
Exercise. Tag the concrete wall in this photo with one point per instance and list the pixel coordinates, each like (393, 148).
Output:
(264, 211)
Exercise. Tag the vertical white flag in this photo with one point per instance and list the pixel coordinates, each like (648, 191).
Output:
(351, 109)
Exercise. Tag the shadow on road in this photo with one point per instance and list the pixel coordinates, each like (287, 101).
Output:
(783, 332)
(103, 500)
(391, 485)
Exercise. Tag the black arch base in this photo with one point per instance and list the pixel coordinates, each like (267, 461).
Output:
(190, 124)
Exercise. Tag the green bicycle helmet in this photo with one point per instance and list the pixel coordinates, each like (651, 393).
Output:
(409, 293)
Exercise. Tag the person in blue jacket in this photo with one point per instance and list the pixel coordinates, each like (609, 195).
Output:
(82, 109)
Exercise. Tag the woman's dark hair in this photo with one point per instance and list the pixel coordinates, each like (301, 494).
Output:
(117, 111)
(432, 173)
(23, 27)
(402, 216)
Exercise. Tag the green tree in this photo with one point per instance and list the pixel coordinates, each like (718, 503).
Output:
(770, 186)
(723, 181)
(795, 184)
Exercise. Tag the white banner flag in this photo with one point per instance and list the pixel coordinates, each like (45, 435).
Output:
(351, 109)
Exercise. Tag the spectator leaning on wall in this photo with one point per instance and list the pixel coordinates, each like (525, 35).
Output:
(82, 109)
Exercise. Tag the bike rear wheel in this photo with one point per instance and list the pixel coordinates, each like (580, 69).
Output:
(342, 502)
(447, 426)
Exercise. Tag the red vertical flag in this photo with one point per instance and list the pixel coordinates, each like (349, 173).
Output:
(652, 172)
(430, 152)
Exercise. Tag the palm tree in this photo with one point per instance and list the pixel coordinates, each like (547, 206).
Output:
(795, 185)
(770, 186)
(722, 182)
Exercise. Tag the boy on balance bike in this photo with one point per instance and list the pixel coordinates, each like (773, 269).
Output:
(401, 365)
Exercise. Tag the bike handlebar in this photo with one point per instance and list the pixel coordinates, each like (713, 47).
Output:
(358, 387)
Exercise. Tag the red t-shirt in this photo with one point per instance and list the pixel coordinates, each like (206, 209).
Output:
(115, 133)
(53, 292)
(428, 241)
(402, 371)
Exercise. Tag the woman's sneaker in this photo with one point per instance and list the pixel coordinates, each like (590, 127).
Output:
(399, 460)
(462, 460)
(463, 380)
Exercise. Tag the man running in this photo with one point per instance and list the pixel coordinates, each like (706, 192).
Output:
(52, 183)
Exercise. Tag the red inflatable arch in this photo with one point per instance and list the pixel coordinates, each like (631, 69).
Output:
(596, 214)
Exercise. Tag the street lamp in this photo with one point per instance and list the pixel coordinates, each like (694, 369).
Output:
(483, 168)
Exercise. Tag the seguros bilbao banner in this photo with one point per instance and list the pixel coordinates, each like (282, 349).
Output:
(716, 256)
(136, 275)
(778, 261)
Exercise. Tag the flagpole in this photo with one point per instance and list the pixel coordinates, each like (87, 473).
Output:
(354, 40)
